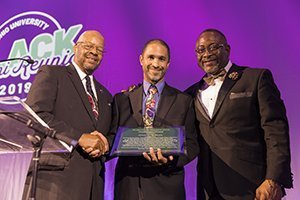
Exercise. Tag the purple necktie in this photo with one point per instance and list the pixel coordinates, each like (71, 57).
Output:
(150, 107)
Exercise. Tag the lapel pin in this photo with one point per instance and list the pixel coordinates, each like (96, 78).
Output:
(233, 75)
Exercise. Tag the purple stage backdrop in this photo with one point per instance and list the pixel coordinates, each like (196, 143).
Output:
(261, 34)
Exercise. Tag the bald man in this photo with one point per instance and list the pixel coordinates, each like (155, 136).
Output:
(72, 102)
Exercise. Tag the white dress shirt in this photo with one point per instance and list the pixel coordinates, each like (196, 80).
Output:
(208, 97)
(82, 76)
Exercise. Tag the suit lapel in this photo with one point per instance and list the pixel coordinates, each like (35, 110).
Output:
(226, 86)
(80, 89)
(200, 107)
(195, 94)
(166, 100)
(101, 101)
(136, 99)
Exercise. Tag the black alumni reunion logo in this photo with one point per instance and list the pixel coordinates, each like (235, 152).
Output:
(44, 41)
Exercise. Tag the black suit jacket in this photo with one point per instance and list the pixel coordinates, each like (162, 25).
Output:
(156, 182)
(59, 98)
(247, 139)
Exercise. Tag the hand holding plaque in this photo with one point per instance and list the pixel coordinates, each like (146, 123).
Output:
(157, 157)
(136, 141)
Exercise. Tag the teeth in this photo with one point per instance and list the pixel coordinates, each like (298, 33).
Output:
(92, 58)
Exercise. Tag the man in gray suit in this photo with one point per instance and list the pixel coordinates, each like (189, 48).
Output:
(244, 143)
(71, 101)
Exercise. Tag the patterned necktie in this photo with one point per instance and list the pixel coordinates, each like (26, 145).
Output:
(91, 97)
(210, 79)
(150, 107)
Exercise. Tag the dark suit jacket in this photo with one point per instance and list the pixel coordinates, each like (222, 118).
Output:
(247, 139)
(156, 182)
(59, 98)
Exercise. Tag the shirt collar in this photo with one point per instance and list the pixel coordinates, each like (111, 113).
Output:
(160, 86)
(228, 66)
(81, 74)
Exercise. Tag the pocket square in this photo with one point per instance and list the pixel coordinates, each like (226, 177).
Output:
(234, 95)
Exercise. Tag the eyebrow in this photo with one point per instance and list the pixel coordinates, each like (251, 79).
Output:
(209, 44)
(157, 56)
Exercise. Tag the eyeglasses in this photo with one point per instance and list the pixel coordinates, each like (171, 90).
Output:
(210, 49)
(90, 46)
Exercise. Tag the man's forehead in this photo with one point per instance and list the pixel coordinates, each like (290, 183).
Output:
(154, 44)
(209, 37)
(90, 36)
(154, 50)
(156, 54)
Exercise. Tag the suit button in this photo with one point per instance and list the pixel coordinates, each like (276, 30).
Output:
(211, 126)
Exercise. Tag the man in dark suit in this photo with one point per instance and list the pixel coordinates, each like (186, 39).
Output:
(244, 143)
(72, 102)
(152, 175)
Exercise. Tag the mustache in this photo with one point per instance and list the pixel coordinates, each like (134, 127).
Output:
(160, 68)
(209, 58)
(92, 55)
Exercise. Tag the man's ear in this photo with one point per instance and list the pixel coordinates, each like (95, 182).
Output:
(228, 49)
(141, 59)
(168, 64)
(75, 48)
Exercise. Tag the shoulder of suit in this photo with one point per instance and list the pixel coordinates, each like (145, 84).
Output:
(251, 69)
(193, 89)
(106, 91)
(121, 94)
(53, 68)
(52, 71)
(124, 94)
(130, 89)
(121, 97)
(59, 67)
(177, 92)
(103, 89)
(254, 70)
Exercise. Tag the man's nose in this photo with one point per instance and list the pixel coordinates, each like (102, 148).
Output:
(206, 54)
(94, 50)
(155, 63)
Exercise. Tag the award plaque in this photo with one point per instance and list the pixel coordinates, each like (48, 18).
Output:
(135, 141)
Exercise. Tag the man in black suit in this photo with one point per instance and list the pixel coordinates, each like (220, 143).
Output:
(72, 102)
(152, 175)
(244, 143)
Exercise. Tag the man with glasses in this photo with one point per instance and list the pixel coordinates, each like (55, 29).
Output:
(71, 101)
(244, 143)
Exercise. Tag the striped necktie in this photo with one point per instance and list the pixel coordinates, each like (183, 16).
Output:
(91, 97)
(149, 114)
